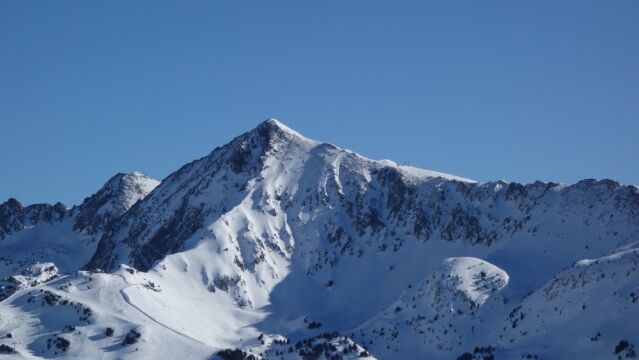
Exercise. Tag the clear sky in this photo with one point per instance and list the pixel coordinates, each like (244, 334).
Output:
(513, 90)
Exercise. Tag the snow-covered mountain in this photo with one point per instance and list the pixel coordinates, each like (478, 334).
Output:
(39, 241)
(278, 246)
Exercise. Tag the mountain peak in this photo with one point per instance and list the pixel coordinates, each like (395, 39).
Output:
(273, 130)
(271, 123)
(114, 198)
(127, 188)
(269, 137)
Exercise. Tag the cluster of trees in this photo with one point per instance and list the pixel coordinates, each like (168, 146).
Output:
(479, 353)
(625, 347)
(6, 349)
(236, 354)
(314, 348)
(131, 337)
(60, 343)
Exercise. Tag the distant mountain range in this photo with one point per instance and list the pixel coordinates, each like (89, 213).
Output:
(276, 246)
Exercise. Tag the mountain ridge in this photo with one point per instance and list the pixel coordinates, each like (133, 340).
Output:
(275, 236)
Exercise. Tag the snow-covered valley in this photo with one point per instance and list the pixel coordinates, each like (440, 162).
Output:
(278, 246)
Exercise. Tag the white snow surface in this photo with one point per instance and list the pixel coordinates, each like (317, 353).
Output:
(276, 241)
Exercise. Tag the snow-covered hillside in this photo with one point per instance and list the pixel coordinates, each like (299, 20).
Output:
(39, 241)
(278, 246)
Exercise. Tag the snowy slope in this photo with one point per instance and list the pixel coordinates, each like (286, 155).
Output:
(38, 237)
(582, 312)
(275, 236)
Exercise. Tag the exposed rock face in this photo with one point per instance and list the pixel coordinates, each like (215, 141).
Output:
(14, 217)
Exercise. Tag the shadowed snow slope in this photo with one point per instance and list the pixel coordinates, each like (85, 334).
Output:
(275, 241)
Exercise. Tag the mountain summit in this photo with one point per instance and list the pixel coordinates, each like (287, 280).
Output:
(278, 246)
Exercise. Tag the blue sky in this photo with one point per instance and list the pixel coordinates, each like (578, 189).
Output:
(489, 90)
